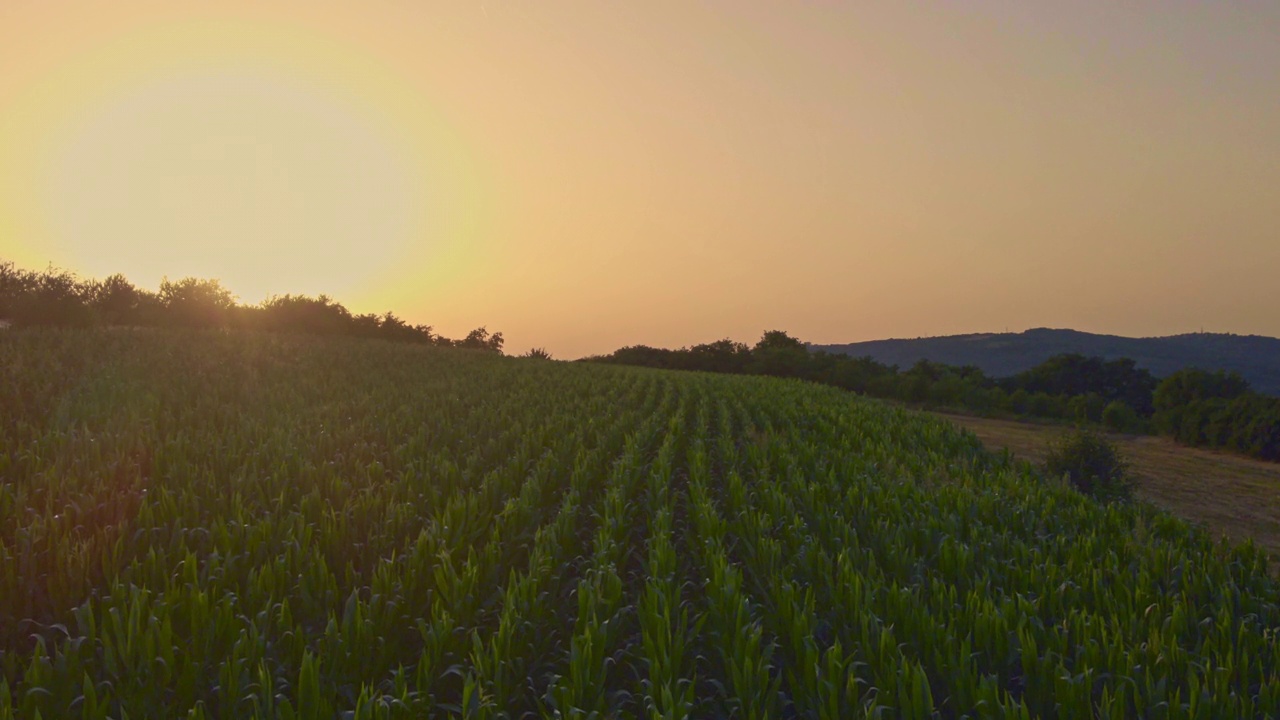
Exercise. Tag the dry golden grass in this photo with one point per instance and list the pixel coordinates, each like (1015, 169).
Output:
(1227, 494)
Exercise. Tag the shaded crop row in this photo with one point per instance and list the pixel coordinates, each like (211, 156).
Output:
(208, 524)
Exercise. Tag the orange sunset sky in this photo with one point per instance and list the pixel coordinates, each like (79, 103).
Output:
(586, 175)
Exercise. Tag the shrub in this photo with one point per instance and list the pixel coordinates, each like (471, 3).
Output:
(1119, 417)
(1043, 405)
(1092, 464)
(300, 313)
(480, 339)
(192, 302)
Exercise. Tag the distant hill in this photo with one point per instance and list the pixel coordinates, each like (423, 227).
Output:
(1255, 357)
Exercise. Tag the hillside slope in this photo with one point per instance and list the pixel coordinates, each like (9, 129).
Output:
(235, 524)
(1229, 495)
(1255, 357)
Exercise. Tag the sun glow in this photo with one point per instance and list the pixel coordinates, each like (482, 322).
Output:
(277, 159)
(584, 175)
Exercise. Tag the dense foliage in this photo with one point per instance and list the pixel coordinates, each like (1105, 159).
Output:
(1194, 407)
(1075, 375)
(56, 297)
(1254, 357)
(244, 524)
(1218, 410)
(1069, 387)
(1092, 464)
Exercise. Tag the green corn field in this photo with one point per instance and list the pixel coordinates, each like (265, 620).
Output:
(241, 525)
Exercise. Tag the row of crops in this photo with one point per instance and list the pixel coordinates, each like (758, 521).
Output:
(213, 525)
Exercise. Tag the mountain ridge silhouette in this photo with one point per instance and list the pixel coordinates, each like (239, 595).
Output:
(1255, 357)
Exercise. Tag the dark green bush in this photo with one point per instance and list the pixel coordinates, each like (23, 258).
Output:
(59, 297)
(1092, 464)
(1119, 417)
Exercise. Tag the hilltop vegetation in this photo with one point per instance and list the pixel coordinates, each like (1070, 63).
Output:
(247, 524)
(1195, 407)
(57, 297)
(1206, 409)
(1253, 357)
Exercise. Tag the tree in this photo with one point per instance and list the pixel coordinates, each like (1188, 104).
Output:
(724, 356)
(1120, 417)
(194, 302)
(58, 297)
(365, 325)
(856, 374)
(1087, 407)
(394, 328)
(1186, 386)
(778, 340)
(117, 301)
(1042, 404)
(53, 297)
(918, 382)
(15, 283)
(1092, 464)
(1073, 374)
(1175, 396)
(780, 355)
(480, 339)
(320, 315)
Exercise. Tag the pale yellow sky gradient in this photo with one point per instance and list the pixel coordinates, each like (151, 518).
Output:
(585, 175)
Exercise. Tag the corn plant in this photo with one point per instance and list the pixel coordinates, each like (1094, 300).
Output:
(233, 524)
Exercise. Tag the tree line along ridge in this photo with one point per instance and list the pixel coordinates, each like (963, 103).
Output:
(1201, 408)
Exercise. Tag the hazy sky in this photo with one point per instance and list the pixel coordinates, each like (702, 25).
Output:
(585, 175)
